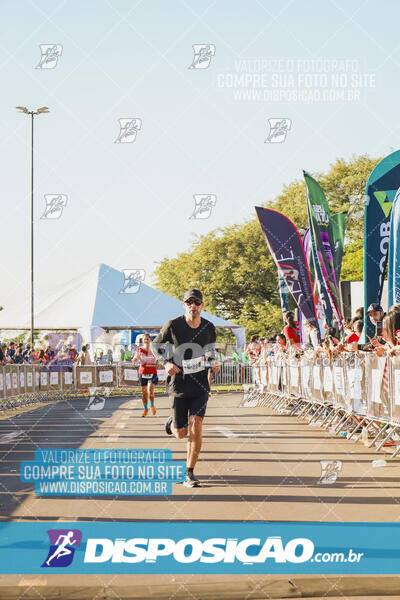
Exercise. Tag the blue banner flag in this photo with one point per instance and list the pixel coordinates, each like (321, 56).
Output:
(394, 254)
(381, 188)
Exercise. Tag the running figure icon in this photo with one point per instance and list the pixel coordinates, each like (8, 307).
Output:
(62, 549)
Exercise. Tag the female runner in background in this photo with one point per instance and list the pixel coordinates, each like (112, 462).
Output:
(147, 373)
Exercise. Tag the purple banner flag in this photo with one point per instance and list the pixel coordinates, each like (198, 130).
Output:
(286, 247)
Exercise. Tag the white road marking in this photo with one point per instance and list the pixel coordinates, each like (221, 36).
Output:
(249, 434)
(8, 437)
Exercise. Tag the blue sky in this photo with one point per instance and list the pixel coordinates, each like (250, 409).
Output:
(129, 204)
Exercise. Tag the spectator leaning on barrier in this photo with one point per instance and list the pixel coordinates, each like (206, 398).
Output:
(127, 354)
(291, 329)
(245, 357)
(390, 333)
(280, 346)
(312, 334)
(352, 339)
(84, 357)
(235, 357)
(18, 356)
(376, 314)
(253, 350)
(30, 357)
(26, 351)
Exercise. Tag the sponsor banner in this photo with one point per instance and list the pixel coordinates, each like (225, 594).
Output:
(199, 547)
(322, 305)
(286, 247)
(322, 242)
(394, 254)
(338, 222)
(380, 192)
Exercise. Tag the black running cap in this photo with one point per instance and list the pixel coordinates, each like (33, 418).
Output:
(374, 307)
(193, 294)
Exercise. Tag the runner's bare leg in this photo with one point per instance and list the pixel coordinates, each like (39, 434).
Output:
(179, 433)
(194, 441)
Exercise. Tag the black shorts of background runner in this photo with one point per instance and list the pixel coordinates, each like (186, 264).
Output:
(143, 381)
(185, 406)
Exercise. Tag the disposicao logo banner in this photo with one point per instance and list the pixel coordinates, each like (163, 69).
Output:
(381, 189)
(199, 547)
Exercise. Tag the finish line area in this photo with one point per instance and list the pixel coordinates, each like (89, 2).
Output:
(255, 465)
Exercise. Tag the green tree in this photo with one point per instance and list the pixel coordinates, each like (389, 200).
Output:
(235, 271)
(234, 268)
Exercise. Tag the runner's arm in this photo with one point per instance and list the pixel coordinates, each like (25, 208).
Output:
(158, 350)
(211, 354)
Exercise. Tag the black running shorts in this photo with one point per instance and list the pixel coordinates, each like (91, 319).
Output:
(143, 381)
(183, 407)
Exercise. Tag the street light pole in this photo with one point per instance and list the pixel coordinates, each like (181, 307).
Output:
(32, 113)
(32, 260)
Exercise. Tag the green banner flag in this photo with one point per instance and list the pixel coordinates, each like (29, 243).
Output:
(322, 237)
(338, 223)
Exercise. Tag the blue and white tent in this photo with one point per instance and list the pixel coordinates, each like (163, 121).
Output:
(102, 298)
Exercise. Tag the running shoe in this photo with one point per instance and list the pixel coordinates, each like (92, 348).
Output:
(191, 481)
(168, 424)
(145, 413)
(153, 410)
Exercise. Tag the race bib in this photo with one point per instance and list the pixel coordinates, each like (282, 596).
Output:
(193, 365)
(146, 376)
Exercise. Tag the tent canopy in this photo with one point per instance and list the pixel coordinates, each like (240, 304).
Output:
(95, 300)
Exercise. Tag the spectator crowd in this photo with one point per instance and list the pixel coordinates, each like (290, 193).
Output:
(385, 342)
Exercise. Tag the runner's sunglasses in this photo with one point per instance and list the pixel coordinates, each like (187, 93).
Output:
(193, 301)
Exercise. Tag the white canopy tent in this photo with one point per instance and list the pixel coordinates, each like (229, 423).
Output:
(97, 301)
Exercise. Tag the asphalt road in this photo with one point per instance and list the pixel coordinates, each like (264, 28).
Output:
(255, 465)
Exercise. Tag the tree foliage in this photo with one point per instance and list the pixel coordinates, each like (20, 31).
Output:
(233, 267)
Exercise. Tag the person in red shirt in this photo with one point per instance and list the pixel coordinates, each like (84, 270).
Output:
(352, 339)
(147, 374)
(291, 329)
(253, 349)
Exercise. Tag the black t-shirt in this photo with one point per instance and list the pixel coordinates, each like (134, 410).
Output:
(192, 347)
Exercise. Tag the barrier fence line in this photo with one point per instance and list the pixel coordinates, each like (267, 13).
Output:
(354, 395)
(27, 384)
(358, 394)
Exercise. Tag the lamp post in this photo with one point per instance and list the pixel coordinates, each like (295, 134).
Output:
(32, 113)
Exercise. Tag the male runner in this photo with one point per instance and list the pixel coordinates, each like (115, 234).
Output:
(193, 339)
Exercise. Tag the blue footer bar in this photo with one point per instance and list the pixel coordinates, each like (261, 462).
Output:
(200, 547)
